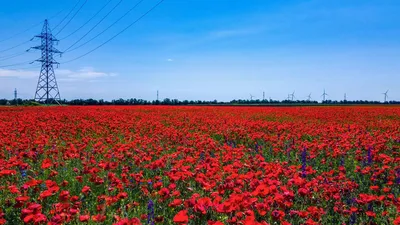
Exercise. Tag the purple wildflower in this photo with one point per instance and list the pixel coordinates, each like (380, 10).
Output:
(304, 162)
(342, 161)
(202, 156)
(353, 219)
(369, 155)
(23, 172)
(398, 176)
(150, 214)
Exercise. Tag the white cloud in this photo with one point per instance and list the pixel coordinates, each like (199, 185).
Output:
(83, 74)
(86, 73)
(170, 60)
(8, 73)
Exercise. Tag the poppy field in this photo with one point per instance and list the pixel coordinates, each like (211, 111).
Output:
(200, 165)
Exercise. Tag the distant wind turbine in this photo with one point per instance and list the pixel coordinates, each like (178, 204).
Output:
(324, 96)
(386, 95)
(309, 97)
(345, 97)
(251, 97)
(292, 96)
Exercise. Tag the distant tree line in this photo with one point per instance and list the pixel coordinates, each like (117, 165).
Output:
(167, 101)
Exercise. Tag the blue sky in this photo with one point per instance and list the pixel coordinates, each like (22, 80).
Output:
(215, 49)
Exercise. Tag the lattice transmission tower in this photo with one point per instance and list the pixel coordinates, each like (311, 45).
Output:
(47, 88)
(15, 96)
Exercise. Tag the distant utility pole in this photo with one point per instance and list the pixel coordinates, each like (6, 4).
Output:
(47, 88)
(263, 95)
(16, 96)
(345, 97)
(157, 95)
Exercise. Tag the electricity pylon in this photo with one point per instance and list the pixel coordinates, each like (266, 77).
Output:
(47, 88)
(16, 96)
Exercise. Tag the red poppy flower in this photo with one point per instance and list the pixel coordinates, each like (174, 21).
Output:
(215, 223)
(7, 172)
(396, 221)
(46, 163)
(99, 218)
(86, 190)
(181, 217)
(84, 218)
(277, 214)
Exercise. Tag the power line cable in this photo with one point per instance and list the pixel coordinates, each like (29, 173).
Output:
(7, 57)
(119, 19)
(25, 68)
(3, 58)
(97, 24)
(55, 15)
(30, 27)
(69, 21)
(16, 64)
(23, 43)
(119, 33)
(69, 13)
(97, 13)
(19, 33)
(16, 46)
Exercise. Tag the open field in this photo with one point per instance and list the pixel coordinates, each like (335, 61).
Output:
(200, 165)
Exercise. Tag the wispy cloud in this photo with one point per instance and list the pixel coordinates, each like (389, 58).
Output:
(170, 60)
(229, 33)
(86, 73)
(7, 73)
(177, 40)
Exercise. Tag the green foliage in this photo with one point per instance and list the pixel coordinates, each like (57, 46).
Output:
(31, 103)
